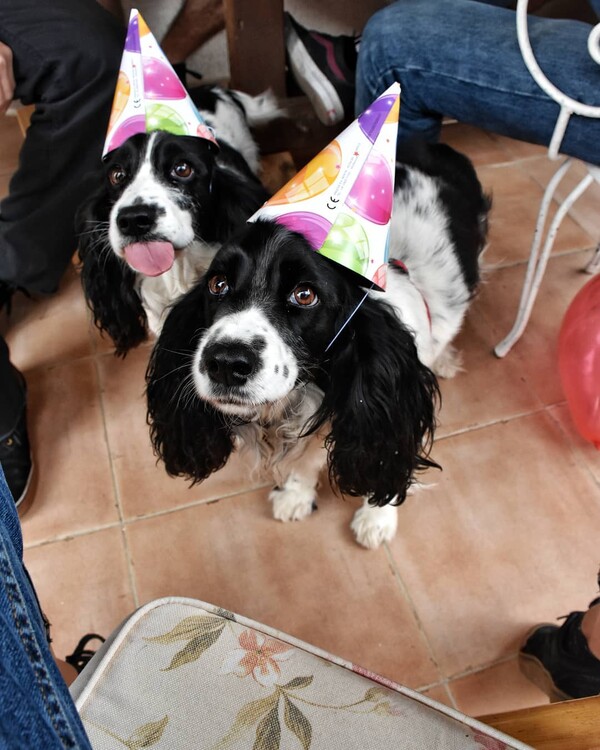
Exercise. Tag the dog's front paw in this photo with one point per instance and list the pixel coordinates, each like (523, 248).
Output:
(449, 363)
(374, 526)
(292, 504)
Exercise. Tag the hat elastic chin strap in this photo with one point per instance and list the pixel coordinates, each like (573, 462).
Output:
(352, 314)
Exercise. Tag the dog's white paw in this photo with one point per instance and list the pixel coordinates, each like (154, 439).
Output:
(374, 526)
(292, 504)
(449, 363)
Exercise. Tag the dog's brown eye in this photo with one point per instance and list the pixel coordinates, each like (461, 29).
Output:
(304, 295)
(117, 175)
(182, 170)
(218, 285)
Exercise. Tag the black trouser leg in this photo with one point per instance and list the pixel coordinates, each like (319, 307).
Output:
(66, 61)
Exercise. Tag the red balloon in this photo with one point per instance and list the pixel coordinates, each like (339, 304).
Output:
(579, 360)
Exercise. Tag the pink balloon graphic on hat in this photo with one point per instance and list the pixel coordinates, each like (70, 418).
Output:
(374, 116)
(160, 80)
(313, 226)
(373, 192)
(129, 127)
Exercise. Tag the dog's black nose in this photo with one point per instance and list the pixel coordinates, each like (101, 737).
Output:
(136, 220)
(229, 364)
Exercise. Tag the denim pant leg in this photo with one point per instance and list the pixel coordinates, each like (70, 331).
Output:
(36, 709)
(66, 56)
(462, 59)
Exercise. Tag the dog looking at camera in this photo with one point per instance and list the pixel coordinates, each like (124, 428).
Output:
(164, 204)
(244, 359)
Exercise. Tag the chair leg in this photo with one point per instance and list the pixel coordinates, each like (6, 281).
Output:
(537, 262)
(594, 265)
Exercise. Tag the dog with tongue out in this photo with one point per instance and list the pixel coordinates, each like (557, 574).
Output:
(169, 195)
(149, 97)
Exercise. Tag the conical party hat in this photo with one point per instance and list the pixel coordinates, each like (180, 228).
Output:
(341, 201)
(149, 95)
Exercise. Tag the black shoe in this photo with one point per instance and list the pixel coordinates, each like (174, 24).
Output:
(6, 293)
(81, 655)
(15, 457)
(559, 662)
(324, 67)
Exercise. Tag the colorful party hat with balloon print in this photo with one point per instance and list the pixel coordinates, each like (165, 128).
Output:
(149, 95)
(341, 201)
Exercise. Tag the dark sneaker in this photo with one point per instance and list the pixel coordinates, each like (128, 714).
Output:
(82, 654)
(558, 660)
(324, 67)
(15, 457)
(6, 293)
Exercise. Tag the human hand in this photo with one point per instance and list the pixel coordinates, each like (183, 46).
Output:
(7, 78)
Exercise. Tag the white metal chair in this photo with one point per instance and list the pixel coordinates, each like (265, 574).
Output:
(538, 260)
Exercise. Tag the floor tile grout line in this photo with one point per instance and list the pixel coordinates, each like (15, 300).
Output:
(576, 453)
(125, 522)
(500, 420)
(116, 493)
(403, 588)
(556, 200)
(72, 535)
(483, 667)
(508, 163)
(446, 681)
(193, 504)
(493, 268)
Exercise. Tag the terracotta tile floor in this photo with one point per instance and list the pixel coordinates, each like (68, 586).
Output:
(507, 536)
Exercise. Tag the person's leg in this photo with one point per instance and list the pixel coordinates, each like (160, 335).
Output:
(66, 60)
(66, 57)
(462, 60)
(36, 710)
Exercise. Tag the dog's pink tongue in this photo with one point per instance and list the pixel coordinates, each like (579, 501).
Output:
(150, 258)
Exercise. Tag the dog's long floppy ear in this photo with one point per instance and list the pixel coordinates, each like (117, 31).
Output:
(380, 400)
(191, 437)
(108, 283)
(237, 192)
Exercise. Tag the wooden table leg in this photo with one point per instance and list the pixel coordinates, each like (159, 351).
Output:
(256, 45)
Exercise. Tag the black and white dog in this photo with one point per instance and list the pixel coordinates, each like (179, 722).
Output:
(243, 358)
(164, 205)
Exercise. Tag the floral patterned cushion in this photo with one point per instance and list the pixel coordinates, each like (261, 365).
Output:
(184, 675)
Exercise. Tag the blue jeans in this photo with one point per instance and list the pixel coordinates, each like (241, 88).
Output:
(36, 709)
(462, 59)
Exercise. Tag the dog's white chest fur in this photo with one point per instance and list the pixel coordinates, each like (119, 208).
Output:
(158, 292)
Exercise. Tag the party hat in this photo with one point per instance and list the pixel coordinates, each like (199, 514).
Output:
(341, 201)
(149, 95)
